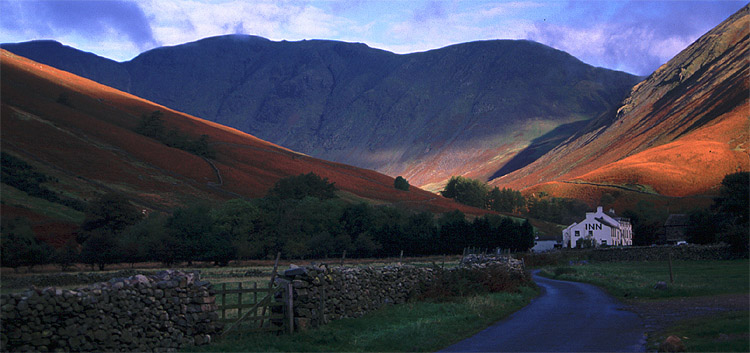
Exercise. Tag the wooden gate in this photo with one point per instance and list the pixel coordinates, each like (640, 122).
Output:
(250, 307)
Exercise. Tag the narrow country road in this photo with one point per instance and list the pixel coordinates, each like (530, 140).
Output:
(566, 317)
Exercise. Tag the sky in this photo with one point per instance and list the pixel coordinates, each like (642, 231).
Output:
(632, 36)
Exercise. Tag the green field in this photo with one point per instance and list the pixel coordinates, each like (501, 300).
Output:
(636, 280)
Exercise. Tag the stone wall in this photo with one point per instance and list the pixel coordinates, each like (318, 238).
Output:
(322, 293)
(163, 312)
(660, 253)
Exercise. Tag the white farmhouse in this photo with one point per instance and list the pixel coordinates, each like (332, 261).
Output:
(598, 229)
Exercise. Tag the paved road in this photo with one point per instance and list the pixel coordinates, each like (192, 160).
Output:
(566, 317)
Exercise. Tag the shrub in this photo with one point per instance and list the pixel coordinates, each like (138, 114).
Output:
(401, 184)
(303, 185)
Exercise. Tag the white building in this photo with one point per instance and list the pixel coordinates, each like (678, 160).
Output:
(598, 229)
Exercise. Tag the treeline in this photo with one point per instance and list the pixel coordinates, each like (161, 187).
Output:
(153, 127)
(301, 217)
(476, 193)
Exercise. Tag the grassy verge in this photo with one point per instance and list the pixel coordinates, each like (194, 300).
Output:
(727, 332)
(411, 327)
(637, 280)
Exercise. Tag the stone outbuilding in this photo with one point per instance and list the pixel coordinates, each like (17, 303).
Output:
(598, 229)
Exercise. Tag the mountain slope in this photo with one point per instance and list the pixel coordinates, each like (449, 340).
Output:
(676, 134)
(464, 109)
(87, 145)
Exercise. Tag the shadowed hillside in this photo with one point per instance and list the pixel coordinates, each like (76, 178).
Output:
(78, 139)
(465, 109)
(678, 133)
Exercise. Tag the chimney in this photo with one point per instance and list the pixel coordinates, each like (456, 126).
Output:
(599, 209)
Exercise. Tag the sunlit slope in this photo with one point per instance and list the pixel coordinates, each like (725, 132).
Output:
(465, 109)
(677, 134)
(88, 144)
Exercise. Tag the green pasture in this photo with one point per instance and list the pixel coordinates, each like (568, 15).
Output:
(637, 280)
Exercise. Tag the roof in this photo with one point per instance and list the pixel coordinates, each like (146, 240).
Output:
(606, 222)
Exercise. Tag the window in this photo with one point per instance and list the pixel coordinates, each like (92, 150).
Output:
(604, 242)
(578, 233)
(591, 233)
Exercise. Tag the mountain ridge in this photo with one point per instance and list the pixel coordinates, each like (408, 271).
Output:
(465, 108)
(88, 145)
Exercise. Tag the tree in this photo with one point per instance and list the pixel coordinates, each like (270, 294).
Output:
(152, 126)
(733, 206)
(101, 248)
(506, 200)
(647, 220)
(455, 232)
(702, 227)
(734, 197)
(66, 255)
(301, 186)
(466, 191)
(401, 184)
(241, 220)
(190, 225)
(19, 246)
(111, 213)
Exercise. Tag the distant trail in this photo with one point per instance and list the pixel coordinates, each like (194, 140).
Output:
(216, 171)
(567, 317)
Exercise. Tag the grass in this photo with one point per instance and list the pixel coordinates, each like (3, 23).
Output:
(727, 332)
(636, 280)
(14, 197)
(412, 327)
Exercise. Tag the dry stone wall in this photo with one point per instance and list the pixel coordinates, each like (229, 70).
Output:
(163, 312)
(660, 253)
(323, 293)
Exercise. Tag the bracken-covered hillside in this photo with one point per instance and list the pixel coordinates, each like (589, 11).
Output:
(81, 136)
(466, 109)
(678, 133)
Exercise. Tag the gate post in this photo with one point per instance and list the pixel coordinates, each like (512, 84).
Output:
(289, 301)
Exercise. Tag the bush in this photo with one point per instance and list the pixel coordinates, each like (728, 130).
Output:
(401, 184)
(301, 186)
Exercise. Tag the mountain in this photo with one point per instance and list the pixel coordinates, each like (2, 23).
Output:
(81, 136)
(678, 133)
(466, 109)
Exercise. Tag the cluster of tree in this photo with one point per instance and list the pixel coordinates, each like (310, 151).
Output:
(728, 218)
(401, 184)
(300, 216)
(476, 193)
(153, 127)
(22, 176)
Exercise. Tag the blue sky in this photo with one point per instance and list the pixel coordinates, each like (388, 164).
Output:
(633, 36)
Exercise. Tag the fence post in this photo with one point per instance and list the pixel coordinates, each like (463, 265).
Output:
(239, 300)
(343, 256)
(288, 299)
(671, 274)
(223, 300)
(401, 257)
(322, 307)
